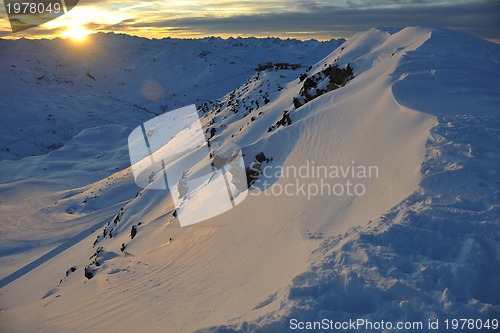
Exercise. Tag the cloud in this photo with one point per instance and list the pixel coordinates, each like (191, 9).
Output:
(479, 18)
(295, 18)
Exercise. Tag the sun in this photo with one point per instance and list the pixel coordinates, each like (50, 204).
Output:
(76, 33)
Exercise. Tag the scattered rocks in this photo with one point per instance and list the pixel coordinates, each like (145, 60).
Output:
(284, 121)
(89, 272)
(71, 270)
(329, 79)
(253, 172)
(133, 231)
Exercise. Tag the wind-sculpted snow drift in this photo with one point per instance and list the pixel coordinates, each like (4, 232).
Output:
(421, 243)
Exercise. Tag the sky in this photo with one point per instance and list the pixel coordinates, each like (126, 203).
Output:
(303, 19)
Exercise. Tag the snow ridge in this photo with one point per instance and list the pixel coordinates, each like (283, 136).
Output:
(435, 255)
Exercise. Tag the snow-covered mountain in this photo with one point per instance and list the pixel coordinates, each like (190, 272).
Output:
(417, 105)
(118, 79)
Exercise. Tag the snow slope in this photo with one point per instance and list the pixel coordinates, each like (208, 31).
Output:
(58, 91)
(436, 255)
(421, 243)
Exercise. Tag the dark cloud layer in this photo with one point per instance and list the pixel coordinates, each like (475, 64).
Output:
(481, 18)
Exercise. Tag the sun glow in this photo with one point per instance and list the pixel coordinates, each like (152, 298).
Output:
(76, 33)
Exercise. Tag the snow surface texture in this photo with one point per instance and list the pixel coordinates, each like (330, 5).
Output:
(423, 242)
(437, 253)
